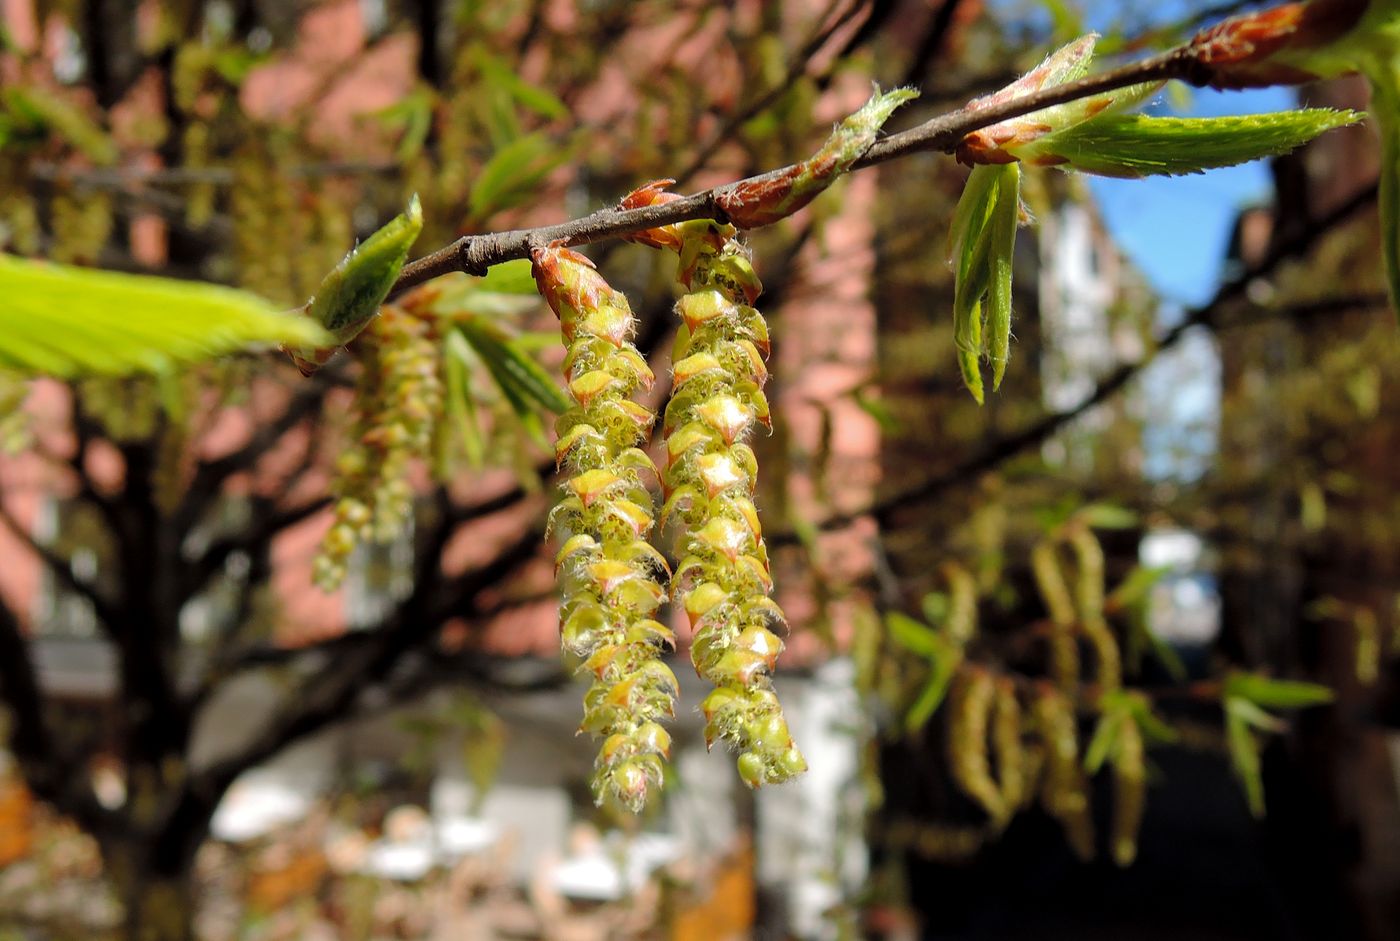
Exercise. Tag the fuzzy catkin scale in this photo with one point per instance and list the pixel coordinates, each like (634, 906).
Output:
(723, 577)
(608, 572)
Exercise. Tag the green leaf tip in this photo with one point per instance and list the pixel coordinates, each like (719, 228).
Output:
(1132, 146)
(70, 322)
(983, 244)
(352, 293)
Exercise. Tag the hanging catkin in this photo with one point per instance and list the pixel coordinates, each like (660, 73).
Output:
(608, 571)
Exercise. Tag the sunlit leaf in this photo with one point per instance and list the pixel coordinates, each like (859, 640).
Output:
(69, 322)
(1136, 145)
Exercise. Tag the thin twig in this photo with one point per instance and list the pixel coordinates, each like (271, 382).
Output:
(474, 254)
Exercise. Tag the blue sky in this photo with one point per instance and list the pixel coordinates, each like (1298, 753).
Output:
(1174, 229)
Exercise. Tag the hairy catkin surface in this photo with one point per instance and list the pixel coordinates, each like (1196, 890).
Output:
(723, 578)
(609, 574)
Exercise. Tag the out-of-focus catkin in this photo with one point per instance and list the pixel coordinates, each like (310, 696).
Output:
(1064, 788)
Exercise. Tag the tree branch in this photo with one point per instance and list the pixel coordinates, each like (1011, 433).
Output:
(47, 770)
(326, 696)
(474, 254)
(61, 569)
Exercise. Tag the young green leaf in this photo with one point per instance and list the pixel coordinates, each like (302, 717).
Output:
(1105, 740)
(38, 108)
(1276, 694)
(774, 196)
(935, 689)
(970, 249)
(459, 401)
(351, 294)
(1002, 247)
(520, 377)
(353, 291)
(911, 635)
(71, 322)
(983, 243)
(513, 171)
(1135, 145)
(1244, 758)
(1107, 516)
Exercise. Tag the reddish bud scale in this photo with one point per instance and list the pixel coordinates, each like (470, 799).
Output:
(1245, 51)
(608, 571)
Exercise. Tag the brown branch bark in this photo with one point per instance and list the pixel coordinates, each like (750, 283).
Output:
(47, 769)
(474, 254)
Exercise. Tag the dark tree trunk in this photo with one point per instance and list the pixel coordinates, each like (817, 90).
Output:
(151, 861)
(158, 899)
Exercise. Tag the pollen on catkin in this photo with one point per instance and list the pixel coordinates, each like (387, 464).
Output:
(608, 572)
(723, 579)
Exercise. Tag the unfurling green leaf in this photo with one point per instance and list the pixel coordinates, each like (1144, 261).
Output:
(1244, 758)
(351, 294)
(1244, 696)
(71, 322)
(353, 291)
(1134, 145)
(983, 244)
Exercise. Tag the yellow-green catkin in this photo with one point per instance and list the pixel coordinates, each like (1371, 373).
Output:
(1064, 788)
(961, 623)
(1064, 649)
(970, 703)
(20, 230)
(1007, 746)
(723, 577)
(608, 572)
(399, 393)
(1090, 592)
(1129, 791)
